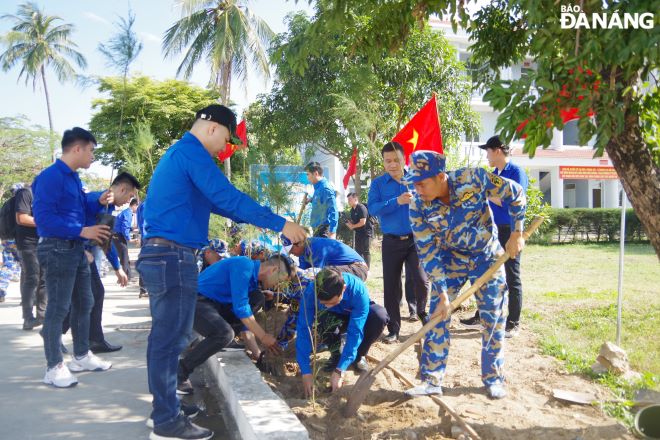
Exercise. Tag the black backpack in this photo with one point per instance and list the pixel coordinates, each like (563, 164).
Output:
(8, 219)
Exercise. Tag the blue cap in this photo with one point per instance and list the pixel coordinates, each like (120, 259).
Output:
(424, 164)
(286, 243)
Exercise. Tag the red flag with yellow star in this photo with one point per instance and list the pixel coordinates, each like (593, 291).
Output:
(422, 132)
(241, 132)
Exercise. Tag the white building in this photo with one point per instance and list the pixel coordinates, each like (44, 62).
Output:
(566, 172)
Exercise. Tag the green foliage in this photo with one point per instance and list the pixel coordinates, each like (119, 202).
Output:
(342, 100)
(224, 33)
(535, 204)
(123, 47)
(590, 225)
(24, 152)
(166, 107)
(142, 158)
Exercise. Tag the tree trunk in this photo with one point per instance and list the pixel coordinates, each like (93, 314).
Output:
(639, 175)
(50, 114)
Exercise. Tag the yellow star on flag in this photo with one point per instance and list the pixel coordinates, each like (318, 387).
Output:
(413, 140)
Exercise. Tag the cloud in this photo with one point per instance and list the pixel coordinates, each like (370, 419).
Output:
(92, 16)
(149, 37)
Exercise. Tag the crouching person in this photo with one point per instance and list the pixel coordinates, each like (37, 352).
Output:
(344, 307)
(229, 296)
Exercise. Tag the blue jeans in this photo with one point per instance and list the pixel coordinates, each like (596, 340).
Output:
(170, 277)
(68, 285)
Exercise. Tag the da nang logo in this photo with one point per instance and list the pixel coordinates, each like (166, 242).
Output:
(572, 17)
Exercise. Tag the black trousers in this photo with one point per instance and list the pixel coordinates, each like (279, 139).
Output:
(33, 284)
(409, 291)
(122, 249)
(396, 252)
(513, 282)
(332, 325)
(360, 270)
(96, 315)
(218, 324)
(362, 246)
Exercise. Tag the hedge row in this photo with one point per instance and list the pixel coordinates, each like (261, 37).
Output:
(588, 225)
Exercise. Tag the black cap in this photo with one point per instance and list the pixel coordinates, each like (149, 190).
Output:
(223, 116)
(494, 143)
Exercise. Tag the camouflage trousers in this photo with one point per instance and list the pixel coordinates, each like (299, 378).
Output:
(492, 301)
(10, 268)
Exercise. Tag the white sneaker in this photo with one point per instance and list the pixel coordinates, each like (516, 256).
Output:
(90, 362)
(424, 389)
(362, 364)
(59, 376)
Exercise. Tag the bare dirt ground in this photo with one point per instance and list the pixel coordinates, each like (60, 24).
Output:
(528, 412)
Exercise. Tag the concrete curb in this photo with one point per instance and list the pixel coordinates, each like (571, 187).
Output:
(257, 411)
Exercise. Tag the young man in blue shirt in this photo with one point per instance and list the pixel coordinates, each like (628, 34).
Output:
(389, 200)
(324, 216)
(122, 235)
(186, 187)
(497, 154)
(61, 210)
(325, 252)
(229, 296)
(344, 307)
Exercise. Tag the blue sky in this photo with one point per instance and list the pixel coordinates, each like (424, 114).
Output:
(93, 20)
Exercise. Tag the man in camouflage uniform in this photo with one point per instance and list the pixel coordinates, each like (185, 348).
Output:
(457, 242)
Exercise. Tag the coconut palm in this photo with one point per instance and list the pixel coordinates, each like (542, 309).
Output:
(225, 34)
(36, 42)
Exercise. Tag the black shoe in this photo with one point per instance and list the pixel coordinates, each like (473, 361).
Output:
(424, 317)
(189, 410)
(391, 338)
(183, 429)
(183, 385)
(332, 363)
(143, 294)
(413, 318)
(473, 323)
(103, 347)
(30, 323)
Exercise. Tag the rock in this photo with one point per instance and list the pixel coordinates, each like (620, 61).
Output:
(613, 358)
(598, 368)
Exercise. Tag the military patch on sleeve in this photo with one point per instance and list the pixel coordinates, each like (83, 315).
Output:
(467, 195)
(495, 179)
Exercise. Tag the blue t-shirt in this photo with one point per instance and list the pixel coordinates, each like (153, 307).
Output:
(322, 252)
(354, 303)
(123, 223)
(324, 206)
(230, 281)
(513, 172)
(186, 187)
(60, 206)
(382, 203)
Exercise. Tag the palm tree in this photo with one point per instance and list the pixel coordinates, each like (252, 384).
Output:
(227, 35)
(37, 42)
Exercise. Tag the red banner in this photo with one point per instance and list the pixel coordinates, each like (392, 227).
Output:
(588, 173)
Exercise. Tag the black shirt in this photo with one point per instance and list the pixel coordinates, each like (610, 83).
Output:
(357, 214)
(26, 237)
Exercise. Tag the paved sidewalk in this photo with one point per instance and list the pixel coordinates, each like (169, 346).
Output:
(104, 405)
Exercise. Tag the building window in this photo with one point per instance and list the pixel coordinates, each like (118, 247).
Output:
(570, 133)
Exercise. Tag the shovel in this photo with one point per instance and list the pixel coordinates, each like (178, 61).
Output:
(591, 399)
(366, 379)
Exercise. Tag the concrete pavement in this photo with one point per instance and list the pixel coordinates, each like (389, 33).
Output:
(113, 404)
